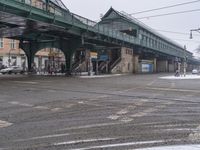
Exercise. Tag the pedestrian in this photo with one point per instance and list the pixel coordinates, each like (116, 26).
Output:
(177, 74)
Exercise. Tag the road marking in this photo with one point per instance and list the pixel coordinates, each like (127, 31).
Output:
(178, 129)
(195, 135)
(56, 109)
(14, 102)
(90, 126)
(175, 90)
(26, 82)
(151, 83)
(144, 113)
(81, 102)
(113, 117)
(44, 137)
(83, 141)
(120, 145)
(122, 112)
(126, 119)
(140, 103)
(41, 107)
(20, 104)
(68, 105)
(4, 124)
(174, 125)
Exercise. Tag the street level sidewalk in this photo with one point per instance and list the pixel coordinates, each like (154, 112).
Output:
(188, 76)
(100, 76)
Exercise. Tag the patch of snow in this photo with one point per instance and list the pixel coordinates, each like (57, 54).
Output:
(182, 147)
(100, 76)
(181, 77)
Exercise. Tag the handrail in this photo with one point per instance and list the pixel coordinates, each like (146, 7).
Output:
(115, 63)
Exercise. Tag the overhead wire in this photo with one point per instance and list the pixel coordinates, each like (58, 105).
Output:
(167, 14)
(165, 7)
(194, 41)
(173, 32)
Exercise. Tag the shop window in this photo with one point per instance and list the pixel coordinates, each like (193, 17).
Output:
(12, 44)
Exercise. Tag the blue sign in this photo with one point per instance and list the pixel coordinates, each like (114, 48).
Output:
(147, 68)
(103, 57)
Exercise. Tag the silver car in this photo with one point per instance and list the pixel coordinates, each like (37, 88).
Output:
(12, 69)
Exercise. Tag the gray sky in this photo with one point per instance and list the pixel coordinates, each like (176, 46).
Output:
(92, 9)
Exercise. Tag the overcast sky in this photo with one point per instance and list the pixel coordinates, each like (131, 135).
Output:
(92, 9)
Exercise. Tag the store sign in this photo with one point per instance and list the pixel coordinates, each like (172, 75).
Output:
(93, 55)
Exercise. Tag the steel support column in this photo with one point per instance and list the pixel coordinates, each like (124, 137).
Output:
(69, 47)
(30, 50)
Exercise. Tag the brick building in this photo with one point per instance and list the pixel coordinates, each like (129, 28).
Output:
(12, 55)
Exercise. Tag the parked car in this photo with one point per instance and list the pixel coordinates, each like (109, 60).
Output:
(12, 69)
(195, 71)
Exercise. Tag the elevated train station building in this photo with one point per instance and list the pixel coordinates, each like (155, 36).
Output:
(139, 58)
(118, 43)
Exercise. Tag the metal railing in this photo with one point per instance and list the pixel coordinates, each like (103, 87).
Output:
(87, 24)
(80, 21)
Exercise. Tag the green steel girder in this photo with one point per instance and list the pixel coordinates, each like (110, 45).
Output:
(70, 24)
(68, 47)
(36, 14)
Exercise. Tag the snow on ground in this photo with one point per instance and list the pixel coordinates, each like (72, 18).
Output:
(189, 76)
(183, 147)
(100, 76)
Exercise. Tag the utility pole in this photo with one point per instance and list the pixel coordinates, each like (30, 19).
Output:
(194, 30)
(184, 62)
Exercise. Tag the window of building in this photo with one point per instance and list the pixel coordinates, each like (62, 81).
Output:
(1, 59)
(1, 42)
(28, 2)
(12, 44)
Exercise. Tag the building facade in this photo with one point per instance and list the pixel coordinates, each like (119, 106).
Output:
(12, 55)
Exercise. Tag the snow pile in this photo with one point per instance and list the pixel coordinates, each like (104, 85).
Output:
(181, 77)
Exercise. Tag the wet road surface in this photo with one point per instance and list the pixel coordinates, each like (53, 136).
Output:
(118, 113)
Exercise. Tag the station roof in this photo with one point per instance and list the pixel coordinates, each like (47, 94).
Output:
(133, 20)
(59, 3)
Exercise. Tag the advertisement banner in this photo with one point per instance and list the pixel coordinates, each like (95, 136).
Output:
(147, 68)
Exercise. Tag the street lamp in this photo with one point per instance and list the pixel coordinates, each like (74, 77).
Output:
(196, 30)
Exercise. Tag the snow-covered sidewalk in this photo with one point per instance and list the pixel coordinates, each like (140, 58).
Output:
(181, 147)
(189, 76)
(100, 76)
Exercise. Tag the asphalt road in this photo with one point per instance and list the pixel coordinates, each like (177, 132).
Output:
(118, 113)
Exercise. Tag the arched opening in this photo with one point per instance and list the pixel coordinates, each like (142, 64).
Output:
(12, 55)
(49, 61)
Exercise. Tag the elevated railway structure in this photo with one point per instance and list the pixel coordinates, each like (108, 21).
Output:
(39, 24)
